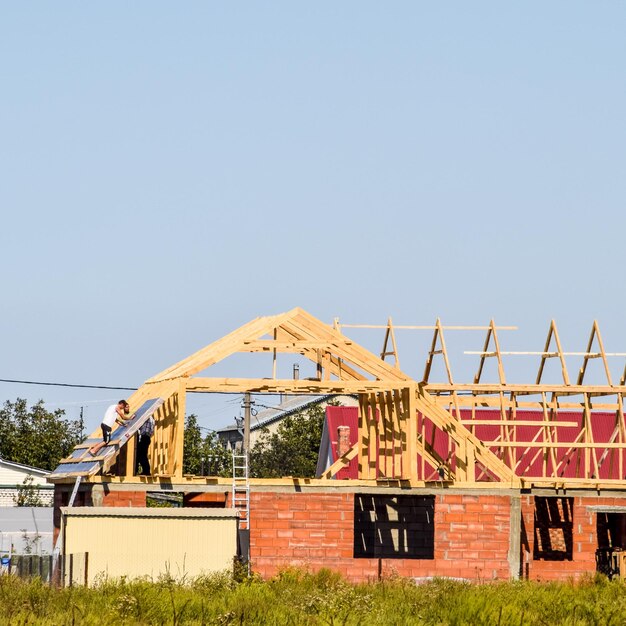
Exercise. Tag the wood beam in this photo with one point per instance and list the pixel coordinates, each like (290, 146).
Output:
(341, 462)
(268, 385)
(495, 388)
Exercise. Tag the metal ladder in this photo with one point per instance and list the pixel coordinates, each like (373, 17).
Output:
(75, 491)
(241, 489)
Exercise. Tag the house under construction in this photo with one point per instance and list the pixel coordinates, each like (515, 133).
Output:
(478, 480)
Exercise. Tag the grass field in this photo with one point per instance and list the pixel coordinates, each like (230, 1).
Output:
(296, 597)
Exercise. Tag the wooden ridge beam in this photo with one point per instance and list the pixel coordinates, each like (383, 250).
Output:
(268, 385)
(268, 345)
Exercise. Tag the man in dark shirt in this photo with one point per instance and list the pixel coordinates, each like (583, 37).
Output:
(145, 434)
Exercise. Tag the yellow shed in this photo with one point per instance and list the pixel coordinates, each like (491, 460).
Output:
(146, 542)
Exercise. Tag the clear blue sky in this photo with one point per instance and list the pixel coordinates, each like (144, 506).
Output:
(172, 170)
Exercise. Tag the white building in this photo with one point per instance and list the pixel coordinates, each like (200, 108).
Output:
(12, 477)
(24, 529)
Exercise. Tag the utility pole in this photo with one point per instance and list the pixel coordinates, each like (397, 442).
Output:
(247, 414)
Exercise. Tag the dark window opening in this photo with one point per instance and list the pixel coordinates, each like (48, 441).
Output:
(611, 552)
(394, 527)
(554, 529)
(611, 530)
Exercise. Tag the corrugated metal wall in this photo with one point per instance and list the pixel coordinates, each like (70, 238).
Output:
(150, 542)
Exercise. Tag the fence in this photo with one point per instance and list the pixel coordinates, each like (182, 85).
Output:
(68, 570)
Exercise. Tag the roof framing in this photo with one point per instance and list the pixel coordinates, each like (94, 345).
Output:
(400, 418)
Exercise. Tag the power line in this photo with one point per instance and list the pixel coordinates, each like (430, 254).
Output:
(79, 403)
(75, 386)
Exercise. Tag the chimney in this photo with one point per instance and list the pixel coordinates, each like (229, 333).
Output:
(343, 440)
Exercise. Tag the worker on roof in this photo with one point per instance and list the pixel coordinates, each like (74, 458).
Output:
(116, 413)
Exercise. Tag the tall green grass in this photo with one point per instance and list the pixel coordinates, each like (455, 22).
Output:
(299, 597)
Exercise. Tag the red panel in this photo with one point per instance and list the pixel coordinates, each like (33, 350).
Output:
(529, 461)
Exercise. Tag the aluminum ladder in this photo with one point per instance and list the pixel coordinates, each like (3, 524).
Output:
(241, 489)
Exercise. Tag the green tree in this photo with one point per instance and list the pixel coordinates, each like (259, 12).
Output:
(204, 455)
(34, 436)
(192, 446)
(293, 449)
(28, 494)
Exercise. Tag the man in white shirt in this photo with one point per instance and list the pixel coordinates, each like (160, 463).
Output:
(116, 413)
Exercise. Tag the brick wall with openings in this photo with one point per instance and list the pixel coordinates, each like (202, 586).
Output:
(317, 530)
(560, 535)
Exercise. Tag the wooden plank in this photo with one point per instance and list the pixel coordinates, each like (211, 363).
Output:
(442, 350)
(557, 444)
(268, 345)
(287, 385)
(491, 334)
(518, 422)
(372, 462)
(553, 333)
(363, 441)
(361, 357)
(595, 333)
(409, 401)
(179, 429)
(494, 401)
(386, 438)
(338, 368)
(390, 335)
(495, 388)
(410, 327)
(341, 462)
(459, 433)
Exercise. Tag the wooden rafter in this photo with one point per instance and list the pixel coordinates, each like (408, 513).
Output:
(438, 347)
(390, 336)
(601, 354)
(547, 354)
(492, 335)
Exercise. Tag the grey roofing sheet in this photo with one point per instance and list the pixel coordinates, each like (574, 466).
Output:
(81, 462)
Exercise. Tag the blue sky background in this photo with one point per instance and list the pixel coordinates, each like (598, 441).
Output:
(170, 171)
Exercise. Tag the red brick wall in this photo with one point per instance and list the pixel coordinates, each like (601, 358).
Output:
(110, 497)
(205, 500)
(585, 540)
(472, 536)
(315, 530)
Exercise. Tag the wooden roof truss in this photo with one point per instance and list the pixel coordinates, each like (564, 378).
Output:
(401, 419)
(556, 454)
